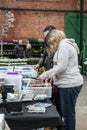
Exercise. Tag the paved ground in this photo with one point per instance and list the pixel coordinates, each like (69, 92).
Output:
(81, 108)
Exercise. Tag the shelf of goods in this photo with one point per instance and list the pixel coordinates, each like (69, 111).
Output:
(7, 48)
(37, 46)
(18, 62)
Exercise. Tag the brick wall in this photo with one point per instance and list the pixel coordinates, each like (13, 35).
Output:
(28, 17)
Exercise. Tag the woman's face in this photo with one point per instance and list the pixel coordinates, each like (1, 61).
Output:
(20, 42)
(45, 33)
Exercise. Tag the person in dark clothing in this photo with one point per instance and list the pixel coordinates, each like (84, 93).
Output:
(19, 50)
(46, 60)
(28, 52)
(45, 55)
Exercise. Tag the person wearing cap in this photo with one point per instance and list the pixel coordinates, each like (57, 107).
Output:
(46, 60)
(42, 62)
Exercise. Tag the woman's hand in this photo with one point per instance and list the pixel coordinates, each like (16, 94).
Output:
(45, 79)
(39, 78)
(36, 67)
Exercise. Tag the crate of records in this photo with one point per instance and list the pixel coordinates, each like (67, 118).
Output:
(39, 87)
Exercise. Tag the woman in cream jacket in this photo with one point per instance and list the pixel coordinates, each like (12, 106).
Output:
(65, 74)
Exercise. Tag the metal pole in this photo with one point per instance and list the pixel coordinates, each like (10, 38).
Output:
(81, 32)
(1, 48)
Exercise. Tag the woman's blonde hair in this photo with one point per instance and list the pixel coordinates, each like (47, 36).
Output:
(53, 38)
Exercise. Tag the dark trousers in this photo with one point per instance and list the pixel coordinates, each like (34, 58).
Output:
(56, 99)
(68, 98)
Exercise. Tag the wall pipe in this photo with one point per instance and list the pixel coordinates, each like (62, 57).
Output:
(38, 9)
(81, 32)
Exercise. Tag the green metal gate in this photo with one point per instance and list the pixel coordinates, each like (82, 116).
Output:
(72, 28)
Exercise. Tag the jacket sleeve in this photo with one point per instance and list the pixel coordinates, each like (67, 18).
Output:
(62, 56)
(42, 59)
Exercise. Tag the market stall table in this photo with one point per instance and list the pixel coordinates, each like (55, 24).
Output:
(29, 121)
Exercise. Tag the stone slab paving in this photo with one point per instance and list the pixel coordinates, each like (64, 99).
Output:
(81, 108)
(81, 122)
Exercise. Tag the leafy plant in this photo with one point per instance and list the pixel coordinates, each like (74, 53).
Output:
(32, 61)
(36, 40)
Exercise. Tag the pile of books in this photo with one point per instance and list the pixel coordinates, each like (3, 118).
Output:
(38, 107)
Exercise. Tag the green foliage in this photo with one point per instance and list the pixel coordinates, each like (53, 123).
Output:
(36, 40)
(32, 61)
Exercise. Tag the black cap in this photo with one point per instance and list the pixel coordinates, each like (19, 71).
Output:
(49, 28)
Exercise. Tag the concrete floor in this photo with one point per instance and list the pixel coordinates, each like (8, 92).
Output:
(81, 108)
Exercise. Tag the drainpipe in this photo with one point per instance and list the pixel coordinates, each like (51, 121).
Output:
(81, 32)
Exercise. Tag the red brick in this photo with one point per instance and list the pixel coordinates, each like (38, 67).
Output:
(30, 23)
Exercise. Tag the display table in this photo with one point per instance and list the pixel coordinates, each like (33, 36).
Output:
(28, 121)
